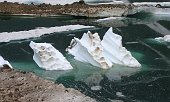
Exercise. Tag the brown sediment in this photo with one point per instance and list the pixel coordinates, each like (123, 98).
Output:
(76, 9)
(26, 87)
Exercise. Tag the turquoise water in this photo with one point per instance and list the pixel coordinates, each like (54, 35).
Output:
(150, 83)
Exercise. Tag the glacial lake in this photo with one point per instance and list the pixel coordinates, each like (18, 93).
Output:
(150, 83)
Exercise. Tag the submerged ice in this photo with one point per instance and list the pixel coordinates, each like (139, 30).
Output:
(105, 53)
(49, 58)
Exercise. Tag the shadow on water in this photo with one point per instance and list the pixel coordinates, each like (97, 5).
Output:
(20, 23)
(141, 15)
(5, 17)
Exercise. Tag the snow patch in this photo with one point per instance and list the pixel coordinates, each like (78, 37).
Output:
(151, 3)
(110, 18)
(52, 2)
(8, 36)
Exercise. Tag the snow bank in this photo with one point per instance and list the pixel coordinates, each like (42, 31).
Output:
(52, 2)
(6, 37)
(49, 58)
(61, 2)
(155, 10)
(3, 62)
(105, 53)
(151, 3)
(158, 8)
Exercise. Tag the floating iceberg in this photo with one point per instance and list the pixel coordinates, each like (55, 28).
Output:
(115, 52)
(49, 58)
(4, 62)
(88, 49)
(105, 53)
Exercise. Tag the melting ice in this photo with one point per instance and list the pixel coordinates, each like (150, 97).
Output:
(105, 53)
(49, 58)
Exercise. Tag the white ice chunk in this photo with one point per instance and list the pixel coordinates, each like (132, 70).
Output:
(88, 49)
(103, 53)
(49, 58)
(166, 38)
(3, 62)
(115, 52)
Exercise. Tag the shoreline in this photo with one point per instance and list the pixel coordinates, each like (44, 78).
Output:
(18, 86)
(74, 9)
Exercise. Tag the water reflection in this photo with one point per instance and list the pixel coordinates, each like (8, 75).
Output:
(150, 83)
(151, 21)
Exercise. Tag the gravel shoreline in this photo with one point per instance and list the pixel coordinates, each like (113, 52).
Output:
(75, 9)
(18, 86)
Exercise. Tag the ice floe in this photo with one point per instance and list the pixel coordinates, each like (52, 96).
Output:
(4, 62)
(105, 53)
(151, 3)
(49, 58)
(9, 36)
(166, 38)
(110, 18)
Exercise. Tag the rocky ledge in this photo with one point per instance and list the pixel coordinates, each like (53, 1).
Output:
(26, 87)
(76, 9)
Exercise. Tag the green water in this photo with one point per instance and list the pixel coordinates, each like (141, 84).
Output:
(150, 83)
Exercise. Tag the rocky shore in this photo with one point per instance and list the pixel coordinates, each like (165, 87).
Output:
(18, 86)
(76, 9)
